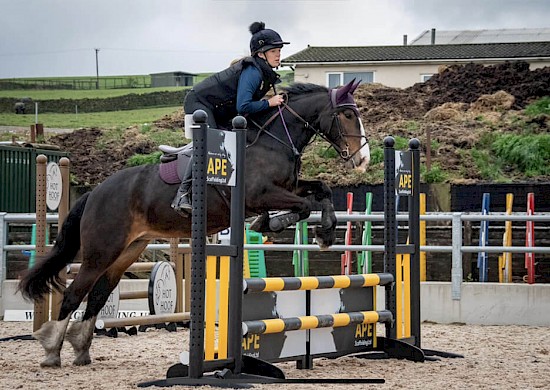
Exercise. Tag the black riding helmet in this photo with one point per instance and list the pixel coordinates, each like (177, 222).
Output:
(264, 39)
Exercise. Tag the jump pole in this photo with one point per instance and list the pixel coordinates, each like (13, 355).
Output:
(232, 371)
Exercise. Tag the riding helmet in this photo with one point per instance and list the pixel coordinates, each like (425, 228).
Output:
(264, 39)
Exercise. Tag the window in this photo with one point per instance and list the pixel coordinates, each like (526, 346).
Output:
(425, 77)
(335, 79)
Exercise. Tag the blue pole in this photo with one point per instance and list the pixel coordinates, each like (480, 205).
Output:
(482, 257)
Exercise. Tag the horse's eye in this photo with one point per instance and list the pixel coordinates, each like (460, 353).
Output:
(348, 115)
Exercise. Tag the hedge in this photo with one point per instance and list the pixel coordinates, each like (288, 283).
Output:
(126, 102)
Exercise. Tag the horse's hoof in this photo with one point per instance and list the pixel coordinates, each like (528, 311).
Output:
(51, 362)
(82, 360)
(324, 238)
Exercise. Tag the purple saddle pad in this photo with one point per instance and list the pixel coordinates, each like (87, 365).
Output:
(169, 172)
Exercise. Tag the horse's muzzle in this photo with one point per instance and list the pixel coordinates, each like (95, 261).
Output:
(361, 160)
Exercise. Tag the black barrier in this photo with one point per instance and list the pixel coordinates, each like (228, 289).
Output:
(407, 176)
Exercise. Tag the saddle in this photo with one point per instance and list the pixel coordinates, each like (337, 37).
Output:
(173, 162)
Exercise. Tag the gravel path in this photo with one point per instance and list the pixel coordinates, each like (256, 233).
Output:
(496, 357)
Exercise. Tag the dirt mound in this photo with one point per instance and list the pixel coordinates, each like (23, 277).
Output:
(94, 157)
(466, 83)
(174, 121)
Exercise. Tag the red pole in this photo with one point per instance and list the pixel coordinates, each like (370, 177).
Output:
(530, 239)
(346, 258)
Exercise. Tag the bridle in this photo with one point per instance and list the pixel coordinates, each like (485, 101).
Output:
(344, 153)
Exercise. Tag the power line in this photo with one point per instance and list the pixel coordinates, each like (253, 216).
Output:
(37, 53)
(41, 52)
(170, 50)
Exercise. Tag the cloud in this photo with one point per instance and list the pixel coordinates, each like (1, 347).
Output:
(46, 38)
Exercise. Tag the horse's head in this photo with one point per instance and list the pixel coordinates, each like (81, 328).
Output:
(342, 127)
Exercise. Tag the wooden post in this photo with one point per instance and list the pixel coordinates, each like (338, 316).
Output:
(33, 133)
(63, 211)
(177, 259)
(41, 308)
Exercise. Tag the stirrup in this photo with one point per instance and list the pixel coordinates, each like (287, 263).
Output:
(182, 205)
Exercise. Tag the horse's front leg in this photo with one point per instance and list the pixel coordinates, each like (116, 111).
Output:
(299, 203)
(277, 198)
(326, 233)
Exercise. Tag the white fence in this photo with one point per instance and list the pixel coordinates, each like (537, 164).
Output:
(456, 247)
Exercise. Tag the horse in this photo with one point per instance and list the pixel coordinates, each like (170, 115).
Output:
(111, 225)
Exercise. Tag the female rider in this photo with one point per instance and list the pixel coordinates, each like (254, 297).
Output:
(237, 90)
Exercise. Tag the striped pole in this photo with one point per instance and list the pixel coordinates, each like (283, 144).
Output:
(316, 282)
(314, 322)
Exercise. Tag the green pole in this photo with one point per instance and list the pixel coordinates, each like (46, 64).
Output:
(364, 258)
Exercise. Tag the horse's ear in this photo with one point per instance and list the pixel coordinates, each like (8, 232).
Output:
(354, 86)
(343, 91)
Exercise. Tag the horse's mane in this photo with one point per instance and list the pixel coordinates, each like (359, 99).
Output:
(298, 89)
(294, 92)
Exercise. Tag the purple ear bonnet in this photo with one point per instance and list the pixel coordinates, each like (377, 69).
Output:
(343, 96)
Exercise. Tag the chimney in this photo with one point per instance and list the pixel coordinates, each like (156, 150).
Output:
(405, 40)
(433, 36)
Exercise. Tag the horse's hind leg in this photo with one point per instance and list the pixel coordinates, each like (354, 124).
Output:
(81, 333)
(52, 333)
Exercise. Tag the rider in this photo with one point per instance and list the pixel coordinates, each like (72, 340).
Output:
(238, 89)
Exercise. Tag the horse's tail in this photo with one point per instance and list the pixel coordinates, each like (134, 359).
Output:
(44, 276)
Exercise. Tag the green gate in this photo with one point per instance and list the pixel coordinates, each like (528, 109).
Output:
(18, 177)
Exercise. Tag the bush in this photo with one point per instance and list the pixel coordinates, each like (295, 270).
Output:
(529, 153)
(539, 107)
(144, 159)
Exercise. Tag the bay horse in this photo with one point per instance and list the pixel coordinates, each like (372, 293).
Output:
(113, 224)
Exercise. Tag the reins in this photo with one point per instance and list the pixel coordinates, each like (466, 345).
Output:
(344, 153)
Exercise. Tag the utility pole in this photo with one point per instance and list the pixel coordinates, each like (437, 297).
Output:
(96, 69)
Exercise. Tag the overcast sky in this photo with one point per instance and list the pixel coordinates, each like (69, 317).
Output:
(50, 38)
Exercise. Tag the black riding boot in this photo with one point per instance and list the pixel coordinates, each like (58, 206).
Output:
(182, 201)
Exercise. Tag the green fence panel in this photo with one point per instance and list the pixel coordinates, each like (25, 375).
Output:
(18, 177)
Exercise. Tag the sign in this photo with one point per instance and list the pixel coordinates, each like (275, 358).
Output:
(403, 166)
(54, 186)
(221, 157)
(28, 315)
(110, 309)
(224, 237)
(162, 289)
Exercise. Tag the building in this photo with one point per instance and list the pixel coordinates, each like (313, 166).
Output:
(404, 65)
(172, 79)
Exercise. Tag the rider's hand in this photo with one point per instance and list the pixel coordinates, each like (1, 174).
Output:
(276, 100)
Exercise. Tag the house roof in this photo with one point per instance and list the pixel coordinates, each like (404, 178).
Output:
(368, 54)
(445, 37)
